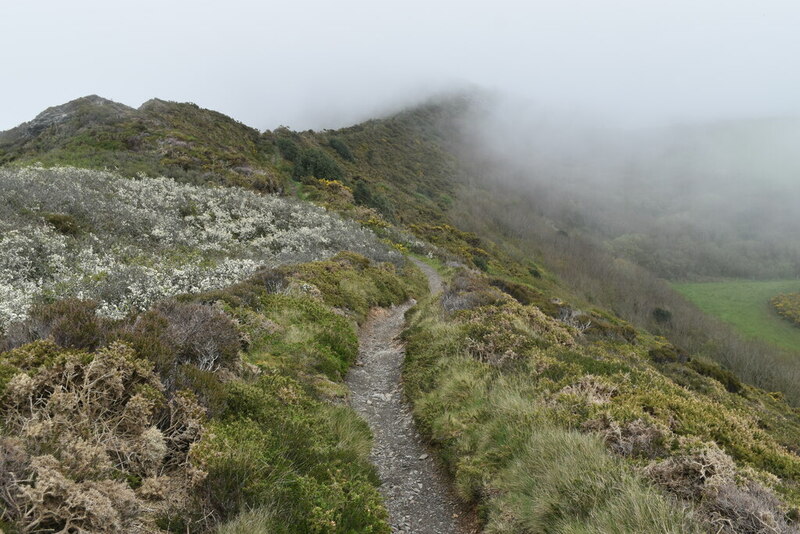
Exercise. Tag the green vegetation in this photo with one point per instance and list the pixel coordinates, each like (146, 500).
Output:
(224, 408)
(745, 304)
(501, 387)
(314, 163)
(341, 148)
(552, 412)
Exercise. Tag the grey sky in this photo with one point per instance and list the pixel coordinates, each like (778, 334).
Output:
(317, 64)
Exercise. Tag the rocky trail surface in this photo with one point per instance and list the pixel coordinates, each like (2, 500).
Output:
(416, 492)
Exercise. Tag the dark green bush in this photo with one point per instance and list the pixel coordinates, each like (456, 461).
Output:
(314, 162)
(276, 447)
(667, 353)
(522, 293)
(341, 148)
(481, 262)
(322, 340)
(718, 373)
(288, 148)
(365, 196)
(662, 315)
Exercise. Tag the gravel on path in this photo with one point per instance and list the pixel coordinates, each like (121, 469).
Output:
(416, 491)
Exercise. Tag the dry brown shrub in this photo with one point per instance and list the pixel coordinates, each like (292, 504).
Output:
(86, 424)
(14, 471)
(204, 335)
(593, 389)
(725, 503)
(638, 438)
(747, 509)
(695, 475)
(53, 502)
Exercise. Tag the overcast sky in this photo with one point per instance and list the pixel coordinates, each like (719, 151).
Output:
(324, 64)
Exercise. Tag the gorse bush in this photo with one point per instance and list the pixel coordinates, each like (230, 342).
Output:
(146, 239)
(352, 282)
(788, 306)
(90, 441)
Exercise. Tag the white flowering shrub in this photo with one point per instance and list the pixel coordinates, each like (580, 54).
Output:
(146, 239)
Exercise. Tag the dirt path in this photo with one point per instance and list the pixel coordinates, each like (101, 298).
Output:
(435, 282)
(416, 493)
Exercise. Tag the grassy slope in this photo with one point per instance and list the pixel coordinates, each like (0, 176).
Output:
(745, 305)
(495, 384)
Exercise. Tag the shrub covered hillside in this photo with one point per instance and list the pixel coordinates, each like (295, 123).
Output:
(535, 415)
(552, 412)
(213, 410)
(179, 140)
(126, 243)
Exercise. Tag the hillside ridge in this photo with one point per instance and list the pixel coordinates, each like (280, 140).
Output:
(525, 358)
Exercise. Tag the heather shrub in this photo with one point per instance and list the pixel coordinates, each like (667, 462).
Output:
(151, 238)
(203, 335)
(71, 323)
(466, 290)
(63, 223)
(183, 340)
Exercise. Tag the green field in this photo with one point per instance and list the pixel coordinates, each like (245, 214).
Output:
(745, 305)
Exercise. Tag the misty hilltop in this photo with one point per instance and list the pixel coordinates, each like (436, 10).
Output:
(183, 296)
(159, 137)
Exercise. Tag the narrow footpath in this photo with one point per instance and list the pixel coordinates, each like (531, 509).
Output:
(415, 490)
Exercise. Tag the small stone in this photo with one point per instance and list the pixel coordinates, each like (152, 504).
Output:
(423, 457)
